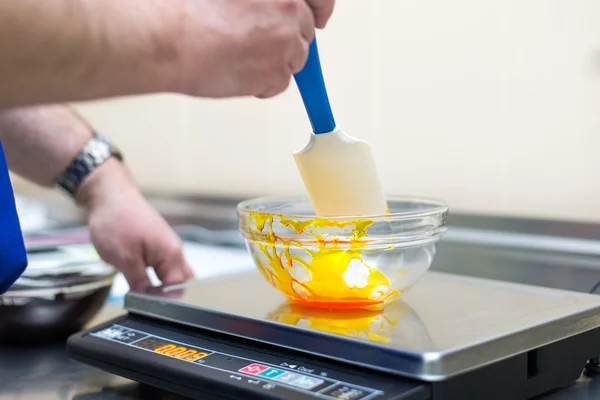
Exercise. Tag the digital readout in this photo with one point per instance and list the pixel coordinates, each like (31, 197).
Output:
(173, 350)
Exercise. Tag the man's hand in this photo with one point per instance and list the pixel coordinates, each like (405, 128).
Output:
(127, 232)
(40, 142)
(73, 50)
(322, 9)
(247, 47)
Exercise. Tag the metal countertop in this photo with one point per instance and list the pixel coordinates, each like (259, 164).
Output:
(45, 372)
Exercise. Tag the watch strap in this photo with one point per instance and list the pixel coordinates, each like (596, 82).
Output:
(95, 153)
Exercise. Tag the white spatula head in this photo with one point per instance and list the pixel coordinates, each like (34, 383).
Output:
(340, 175)
(338, 170)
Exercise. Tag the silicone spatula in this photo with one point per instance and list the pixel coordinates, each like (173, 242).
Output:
(338, 171)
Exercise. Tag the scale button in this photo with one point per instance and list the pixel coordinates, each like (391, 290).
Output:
(287, 377)
(306, 382)
(111, 332)
(120, 334)
(253, 369)
(344, 392)
(132, 336)
(271, 373)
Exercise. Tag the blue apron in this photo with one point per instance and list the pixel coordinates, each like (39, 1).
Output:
(13, 257)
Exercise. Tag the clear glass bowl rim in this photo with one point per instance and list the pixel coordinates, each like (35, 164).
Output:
(436, 207)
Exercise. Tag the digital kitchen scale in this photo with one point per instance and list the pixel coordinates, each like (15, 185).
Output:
(450, 337)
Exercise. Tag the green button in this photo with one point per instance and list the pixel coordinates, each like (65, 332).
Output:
(271, 373)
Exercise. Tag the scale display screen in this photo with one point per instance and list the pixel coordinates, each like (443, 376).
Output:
(284, 378)
(171, 349)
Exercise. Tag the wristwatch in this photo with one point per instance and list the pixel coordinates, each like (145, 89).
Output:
(95, 153)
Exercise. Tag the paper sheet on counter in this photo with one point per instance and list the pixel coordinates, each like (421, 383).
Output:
(206, 261)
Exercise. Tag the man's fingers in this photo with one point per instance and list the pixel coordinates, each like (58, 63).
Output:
(170, 274)
(171, 268)
(322, 10)
(300, 56)
(189, 272)
(307, 22)
(135, 274)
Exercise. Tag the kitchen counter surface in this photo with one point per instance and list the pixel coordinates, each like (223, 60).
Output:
(539, 254)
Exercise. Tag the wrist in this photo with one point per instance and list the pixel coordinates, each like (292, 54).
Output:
(107, 180)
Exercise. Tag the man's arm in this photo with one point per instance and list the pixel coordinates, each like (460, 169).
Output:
(41, 141)
(66, 50)
(59, 51)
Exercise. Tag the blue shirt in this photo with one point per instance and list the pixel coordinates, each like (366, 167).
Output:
(13, 257)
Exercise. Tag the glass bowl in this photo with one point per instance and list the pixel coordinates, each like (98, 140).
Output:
(342, 262)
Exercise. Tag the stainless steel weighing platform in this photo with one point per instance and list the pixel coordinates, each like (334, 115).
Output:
(450, 337)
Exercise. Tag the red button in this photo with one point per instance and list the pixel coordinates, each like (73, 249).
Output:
(254, 369)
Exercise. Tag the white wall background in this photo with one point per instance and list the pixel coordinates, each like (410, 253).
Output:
(493, 106)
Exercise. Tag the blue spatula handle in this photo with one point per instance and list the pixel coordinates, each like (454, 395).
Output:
(314, 94)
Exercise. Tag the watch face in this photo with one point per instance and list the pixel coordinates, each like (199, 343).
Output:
(111, 148)
(96, 152)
